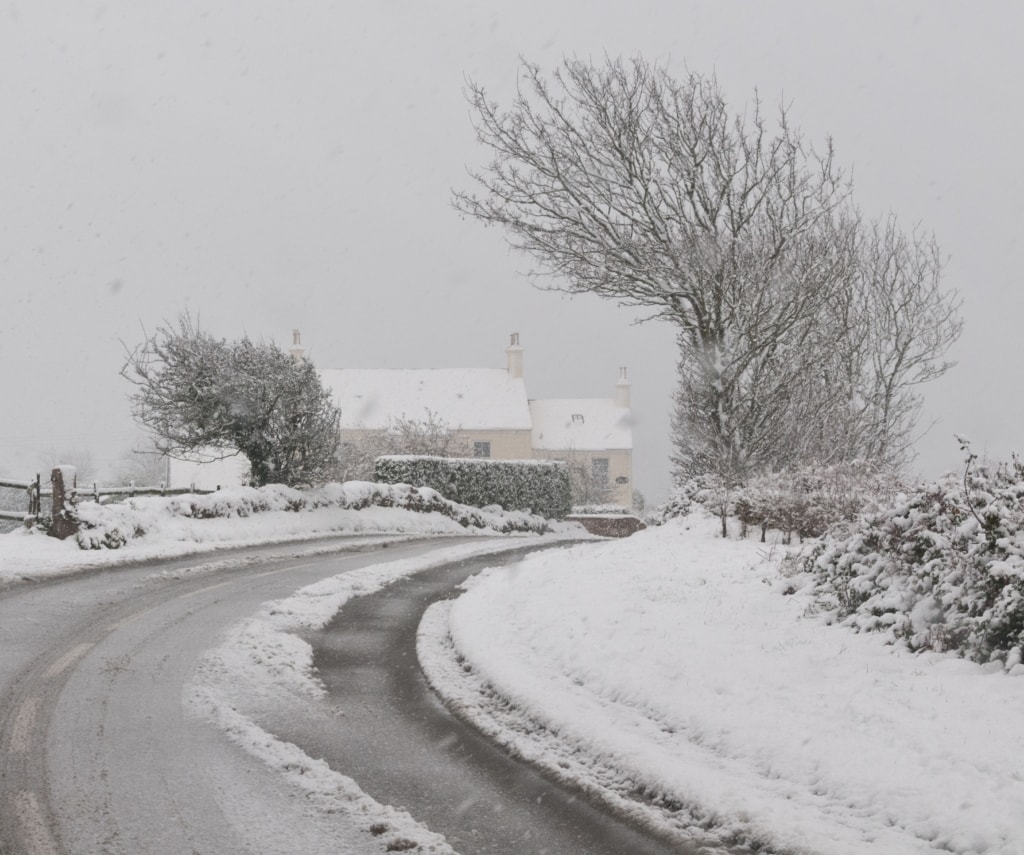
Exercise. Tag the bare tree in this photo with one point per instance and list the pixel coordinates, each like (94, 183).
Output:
(621, 181)
(586, 487)
(195, 393)
(142, 465)
(430, 435)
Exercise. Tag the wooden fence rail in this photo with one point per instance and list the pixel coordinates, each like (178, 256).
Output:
(33, 491)
(36, 493)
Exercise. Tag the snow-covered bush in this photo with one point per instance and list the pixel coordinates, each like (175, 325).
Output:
(114, 525)
(804, 501)
(707, 491)
(809, 500)
(540, 486)
(616, 510)
(942, 569)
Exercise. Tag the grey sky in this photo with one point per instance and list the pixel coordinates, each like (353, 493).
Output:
(271, 165)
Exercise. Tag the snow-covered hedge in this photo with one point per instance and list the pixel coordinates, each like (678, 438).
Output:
(112, 526)
(943, 569)
(804, 501)
(540, 486)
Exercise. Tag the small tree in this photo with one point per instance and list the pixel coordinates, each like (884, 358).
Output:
(195, 393)
(141, 466)
(587, 488)
(430, 436)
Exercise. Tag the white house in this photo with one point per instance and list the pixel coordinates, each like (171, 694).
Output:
(490, 409)
(594, 435)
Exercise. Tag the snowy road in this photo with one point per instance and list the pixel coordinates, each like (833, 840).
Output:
(403, 748)
(98, 755)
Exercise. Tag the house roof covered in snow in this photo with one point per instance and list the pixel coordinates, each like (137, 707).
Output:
(463, 398)
(585, 424)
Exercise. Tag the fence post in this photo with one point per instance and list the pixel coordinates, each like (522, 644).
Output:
(65, 498)
(34, 509)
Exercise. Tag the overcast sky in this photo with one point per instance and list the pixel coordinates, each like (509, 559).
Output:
(277, 165)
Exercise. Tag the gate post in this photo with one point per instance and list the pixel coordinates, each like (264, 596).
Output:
(65, 501)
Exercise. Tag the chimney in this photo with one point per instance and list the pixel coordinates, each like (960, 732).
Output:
(622, 390)
(515, 357)
(297, 351)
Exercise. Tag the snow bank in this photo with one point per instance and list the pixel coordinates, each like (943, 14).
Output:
(679, 680)
(112, 526)
(163, 527)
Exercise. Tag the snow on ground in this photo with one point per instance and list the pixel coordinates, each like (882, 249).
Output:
(170, 533)
(669, 673)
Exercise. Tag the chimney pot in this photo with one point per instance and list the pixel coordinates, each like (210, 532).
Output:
(515, 357)
(622, 389)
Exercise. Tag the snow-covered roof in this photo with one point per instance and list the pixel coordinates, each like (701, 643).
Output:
(463, 398)
(585, 424)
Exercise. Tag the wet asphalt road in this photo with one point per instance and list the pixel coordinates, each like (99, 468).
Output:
(395, 738)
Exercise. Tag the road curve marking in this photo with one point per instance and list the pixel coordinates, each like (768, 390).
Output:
(34, 830)
(24, 722)
(68, 659)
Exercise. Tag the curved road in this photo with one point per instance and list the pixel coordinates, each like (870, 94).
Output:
(99, 757)
(404, 748)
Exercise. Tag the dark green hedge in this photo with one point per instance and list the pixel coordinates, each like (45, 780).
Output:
(540, 486)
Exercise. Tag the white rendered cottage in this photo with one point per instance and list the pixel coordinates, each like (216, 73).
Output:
(489, 409)
(595, 436)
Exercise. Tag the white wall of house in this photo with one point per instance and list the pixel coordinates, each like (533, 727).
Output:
(207, 474)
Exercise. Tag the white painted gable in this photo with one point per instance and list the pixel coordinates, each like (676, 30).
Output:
(463, 398)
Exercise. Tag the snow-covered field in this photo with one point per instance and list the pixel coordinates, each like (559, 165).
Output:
(667, 672)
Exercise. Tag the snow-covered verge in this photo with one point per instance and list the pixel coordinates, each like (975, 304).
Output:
(672, 673)
(263, 663)
(156, 527)
(112, 526)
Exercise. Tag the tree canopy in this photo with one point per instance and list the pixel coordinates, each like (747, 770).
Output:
(803, 327)
(198, 394)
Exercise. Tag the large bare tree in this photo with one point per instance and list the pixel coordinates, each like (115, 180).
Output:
(622, 181)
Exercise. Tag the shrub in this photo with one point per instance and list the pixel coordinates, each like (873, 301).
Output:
(539, 486)
(804, 501)
(943, 569)
(113, 526)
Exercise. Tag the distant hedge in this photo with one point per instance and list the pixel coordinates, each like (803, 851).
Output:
(541, 486)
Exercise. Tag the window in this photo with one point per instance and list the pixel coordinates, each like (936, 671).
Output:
(481, 449)
(599, 471)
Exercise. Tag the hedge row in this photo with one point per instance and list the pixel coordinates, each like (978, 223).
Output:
(113, 526)
(539, 486)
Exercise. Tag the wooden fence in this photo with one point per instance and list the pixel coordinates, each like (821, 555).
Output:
(35, 494)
